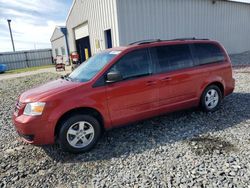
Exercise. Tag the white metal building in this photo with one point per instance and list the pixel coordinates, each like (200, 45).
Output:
(98, 24)
(59, 43)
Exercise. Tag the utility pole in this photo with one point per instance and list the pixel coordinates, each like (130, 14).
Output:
(11, 35)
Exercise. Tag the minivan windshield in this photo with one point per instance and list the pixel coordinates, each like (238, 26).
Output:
(92, 66)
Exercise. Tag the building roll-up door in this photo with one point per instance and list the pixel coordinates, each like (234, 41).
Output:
(83, 41)
(81, 31)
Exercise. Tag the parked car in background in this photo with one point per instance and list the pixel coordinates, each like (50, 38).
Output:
(3, 68)
(124, 85)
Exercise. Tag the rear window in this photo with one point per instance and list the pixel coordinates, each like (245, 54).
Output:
(173, 57)
(208, 53)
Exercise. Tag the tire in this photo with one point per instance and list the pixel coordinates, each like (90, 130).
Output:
(79, 133)
(212, 104)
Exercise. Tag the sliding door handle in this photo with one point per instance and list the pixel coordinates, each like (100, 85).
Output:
(151, 83)
(166, 79)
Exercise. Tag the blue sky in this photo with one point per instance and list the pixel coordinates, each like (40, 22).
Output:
(33, 22)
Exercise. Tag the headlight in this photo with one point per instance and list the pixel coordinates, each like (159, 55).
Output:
(34, 109)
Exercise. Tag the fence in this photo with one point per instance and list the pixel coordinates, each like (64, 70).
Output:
(25, 59)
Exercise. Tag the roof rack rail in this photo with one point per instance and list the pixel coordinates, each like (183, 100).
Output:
(192, 38)
(145, 41)
(148, 41)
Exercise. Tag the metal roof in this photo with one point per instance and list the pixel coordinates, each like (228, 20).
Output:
(61, 29)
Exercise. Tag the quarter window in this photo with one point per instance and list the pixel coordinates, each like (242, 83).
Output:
(208, 53)
(173, 57)
(133, 64)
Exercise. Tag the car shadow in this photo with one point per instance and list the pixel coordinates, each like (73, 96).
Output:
(160, 131)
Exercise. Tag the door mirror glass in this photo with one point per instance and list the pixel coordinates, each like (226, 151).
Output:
(113, 76)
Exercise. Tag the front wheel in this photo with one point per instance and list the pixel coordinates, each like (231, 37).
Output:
(211, 98)
(79, 133)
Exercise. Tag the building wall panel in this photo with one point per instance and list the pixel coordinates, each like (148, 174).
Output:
(227, 22)
(100, 15)
(56, 34)
(58, 41)
(57, 44)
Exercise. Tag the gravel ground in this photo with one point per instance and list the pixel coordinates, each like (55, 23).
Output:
(242, 59)
(182, 149)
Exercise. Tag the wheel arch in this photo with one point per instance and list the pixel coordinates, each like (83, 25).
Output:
(221, 88)
(216, 83)
(82, 110)
(219, 85)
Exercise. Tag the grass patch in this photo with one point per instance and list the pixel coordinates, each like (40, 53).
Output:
(28, 69)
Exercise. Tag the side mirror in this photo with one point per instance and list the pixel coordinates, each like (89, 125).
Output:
(113, 77)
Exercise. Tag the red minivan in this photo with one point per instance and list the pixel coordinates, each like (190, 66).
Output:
(124, 85)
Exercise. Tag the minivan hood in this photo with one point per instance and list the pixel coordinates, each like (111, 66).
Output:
(47, 90)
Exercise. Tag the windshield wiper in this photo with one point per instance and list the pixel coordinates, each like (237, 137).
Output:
(66, 77)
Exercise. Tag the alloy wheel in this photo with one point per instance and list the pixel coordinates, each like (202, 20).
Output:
(211, 99)
(80, 134)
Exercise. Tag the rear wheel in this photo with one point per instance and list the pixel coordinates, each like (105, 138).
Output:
(211, 98)
(79, 133)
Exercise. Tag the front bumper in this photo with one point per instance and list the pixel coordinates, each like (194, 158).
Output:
(34, 130)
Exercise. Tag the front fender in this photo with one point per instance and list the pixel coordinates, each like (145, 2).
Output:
(59, 108)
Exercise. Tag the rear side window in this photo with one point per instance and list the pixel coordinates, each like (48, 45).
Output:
(134, 64)
(208, 53)
(173, 57)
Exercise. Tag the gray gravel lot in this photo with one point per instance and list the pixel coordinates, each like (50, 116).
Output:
(241, 59)
(182, 149)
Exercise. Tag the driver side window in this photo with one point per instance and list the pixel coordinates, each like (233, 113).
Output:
(133, 64)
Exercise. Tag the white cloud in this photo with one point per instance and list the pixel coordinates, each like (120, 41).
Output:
(32, 23)
(35, 5)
